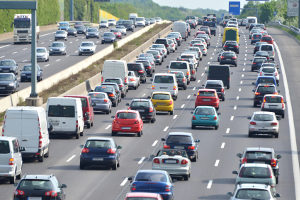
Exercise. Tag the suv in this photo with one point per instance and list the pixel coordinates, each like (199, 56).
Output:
(8, 83)
(273, 103)
(261, 91)
(43, 186)
(261, 155)
(231, 46)
(9, 66)
(164, 42)
(145, 107)
(218, 86)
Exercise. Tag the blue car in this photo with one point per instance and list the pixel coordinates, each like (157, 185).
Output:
(205, 116)
(26, 73)
(184, 141)
(154, 181)
(265, 79)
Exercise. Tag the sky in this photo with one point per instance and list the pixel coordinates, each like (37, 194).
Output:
(193, 4)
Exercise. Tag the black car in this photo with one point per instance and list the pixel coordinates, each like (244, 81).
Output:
(128, 25)
(257, 46)
(8, 83)
(72, 31)
(218, 86)
(139, 69)
(180, 78)
(257, 63)
(255, 37)
(231, 46)
(228, 57)
(9, 66)
(149, 68)
(100, 151)
(261, 91)
(164, 42)
(123, 88)
(26, 73)
(110, 91)
(117, 89)
(81, 29)
(39, 187)
(262, 54)
(145, 108)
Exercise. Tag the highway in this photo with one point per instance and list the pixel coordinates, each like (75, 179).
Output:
(211, 176)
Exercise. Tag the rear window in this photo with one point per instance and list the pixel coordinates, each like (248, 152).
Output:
(155, 177)
(105, 144)
(265, 80)
(255, 172)
(259, 59)
(35, 184)
(179, 139)
(213, 85)
(161, 41)
(117, 81)
(263, 117)
(273, 99)
(228, 54)
(266, 39)
(252, 194)
(259, 155)
(161, 97)
(97, 95)
(163, 79)
(134, 67)
(268, 70)
(61, 111)
(140, 104)
(206, 93)
(84, 102)
(266, 48)
(104, 89)
(204, 111)
(264, 89)
(178, 65)
(4, 147)
(140, 198)
(126, 115)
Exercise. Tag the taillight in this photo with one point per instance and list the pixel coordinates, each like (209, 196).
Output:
(133, 188)
(253, 123)
(150, 109)
(156, 161)
(222, 90)
(141, 71)
(170, 102)
(125, 81)
(215, 118)
(274, 124)
(257, 93)
(254, 63)
(167, 189)
(225, 46)
(111, 95)
(184, 162)
(51, 194)
(40, 140)
(105, 100)
(234, 57)
(167, 45)
(11, 161)
(153, 87)
(166, 146)
(102, 79)
(194, 117)
(275, 93)
(193, 71)
(222, 57)
(19, 193)
(260, 73)
(158, 56)
(174, 87)
(183, 79)
(131, 79)
(270, 173)
(191, 147)
(276, 73)
(111, 151)
(76, 123)
(85, 150)
(263, 105)
(187, 73)
(244, 160)
(236, 46)
(273, 163)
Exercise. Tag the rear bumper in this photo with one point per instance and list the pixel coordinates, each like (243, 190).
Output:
(276, 111)
(7, 171)
(216, 105)
(204, 123)
(136, 129)
(174, 172)
(101, 108)
(105, 162)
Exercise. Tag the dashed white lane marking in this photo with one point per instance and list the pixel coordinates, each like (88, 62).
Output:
(73, 156)
(244, 63)
(154, 143)
(141, 160)
(246, 50)
(199, 80)
(223, 145)
(76, 40)
(24, 49)
(194, 88)
(47, 65)
(245, 54)
(144, 94)
(235, 107)
(231, 118)
(215, 49)
(175, 116)
(182, 106)
(201, 75)
(2, 56)
(42, 42)
(166, 128)
(108, 127)
(227, 130)
(241, 82)
(245, 58)
(243, 75)
(246, 47)
(240, 89)
(124, 182)
(208, 64)
(71, 42)
(189, 96)
(237, 98)
(58, 60)
(4, 46)
(205, 68)
(210, 182)
(211, 58)
(67, 55)
(243, 69)
(15, 52)
(24, 61)
(217, 163)
(76, 51)
(47, 34)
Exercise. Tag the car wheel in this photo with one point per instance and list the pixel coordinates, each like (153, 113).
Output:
(276, 135)
(193, 127)
(194, 159)
(139, 134)
(186, 177)
(252, 69)
(77, 136)
(254, 104)
(249, 135)
(113, 133)
(277, 179)
(41, 158)
(185, 87)
(171, 112)
(81, 165)
(19, 176)
(115, 166)
(217, 127)
(282, 116)
(114, 104)
(88, 125)
(153, 120)
(12, 180)
(47, 154)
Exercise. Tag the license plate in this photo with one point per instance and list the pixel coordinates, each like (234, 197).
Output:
(98, 159)
(178, 147)
(170, 161)
(206, 99)
(204, 118)
(163, 87)
(160, 104)
(2, 87)
(34, 198)
(126, 128)
(141, 110)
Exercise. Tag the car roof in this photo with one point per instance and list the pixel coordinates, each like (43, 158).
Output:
(146, 100)
(161, 92)
(255, 165)
(180, 133)
(206, 89)
(38, 176)
(253, 185)
(128, 111)
(263, 112)
(266, 84)
(100, 138)
(7, 138)
(152, 171)
(142, 194)
(214, 81)
(272, 95)
(269, 149)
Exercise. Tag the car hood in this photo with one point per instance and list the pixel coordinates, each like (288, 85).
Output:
(40, 54)
(57, 48)
(60, 35)
(108, 38)
(6, 67)
(87, 47)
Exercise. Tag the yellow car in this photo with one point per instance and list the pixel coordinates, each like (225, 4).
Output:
(163, 101)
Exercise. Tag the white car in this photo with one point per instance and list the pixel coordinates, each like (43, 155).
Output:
(61, 35)
(133, 80)
(273, 103)
(112, 22)
(122, 29)
(269, 71)
(160, 46)
(42, 54)
(140, 21)
(87, 47)
(103, 24)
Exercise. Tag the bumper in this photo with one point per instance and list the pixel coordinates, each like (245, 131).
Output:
(41, 59)
(147, 116)
(228, 62)
(216, 105)
(264, 131)
(276, 111)
(98, 161)
(126, 129)
(204, 123)
(56, 52)
(63, 133)
(60, 38)
(7, 171)
(31, 154)
(132, 84)
(164, 108)
(101, 108)
(174, 172)
(6, 89)
(92, 36)
(86, 52)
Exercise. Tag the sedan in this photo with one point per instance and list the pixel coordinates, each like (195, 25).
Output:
(81, 30)
(122, 29)
(205, 116)
(58, 48)
(87, 47)
(9, 66)
(145, 108)
(108, 37)
(100, 151)
(269, 71)
(262, 54)
(228, 57)
(154, 181)
(127, 121)
(8, 83)
(257, 63)
(42, 54)
(92, 33)
(100, 102)
(257, 46)
(26, 73)
(273, 103)
(133, 80)
(72, 31)
(61, 35)
(231, 46)
(111, 93)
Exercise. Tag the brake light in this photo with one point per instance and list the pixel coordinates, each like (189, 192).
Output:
(254, 63)
(102, 79)
(132, 79)
(136, 122)
(19, 193)
(85, 150)
(156, 161)
(111, 95)
(274, 124)
(215, 118)
(40, 140)
(244, 160)
(105, 100)
(153, 87)
(263, 104)
(166, 146)
(174, 87)
(275, 93)
(184, 162)
(141, 71)
(11, 161)
(236, 46)
(111, 151)
(51, 194)
(222, 90)
(273, 163)
(150, 109)
(193, 71)
(234, 57)
(158, 56)
(170, 102)
(270, 173)
(187, 73)
(183, 79)
(167, 45)
(76, 123)
(225, 46)
(194, 117)
(191, 147)
(257, 93)
(222, 57)
(253, 123)
(167, 188)
(125, 81)
(133, 188)
(260, 73)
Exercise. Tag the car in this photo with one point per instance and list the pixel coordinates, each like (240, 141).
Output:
(268, 39)
(147, 56)
(128, 25)
(218, 86)
(171, 45)
(256, 37)
(150, 69)
(112, 22)
(263, 122)
(147, 21)
(269, 71)
(274, 103)
(100, 151)
(58, 48)
(108, 37)
(103, 24)
(160, 46)
(72, 31)
(78, 23)
(145, 107)
(100, 102)
(127, 121)
(143, 195)
(81, 29)
(152, 21)
(116, 87)
(92, 33)
(61, 35)
(163, 41)
(39, 187)
(202, 47)
(195, 49)
(117, 33)
(193, 71)
(205, 116)
(252, 191)
(42, 54)
(139, 69)
(122, 29)
(9, 66)
(257, 63)
(268, 48)
(261, 90)
(110, 91)
(228, 57)
(262, 54)
(154, 181)
(191, 58)
(255, 30)
(207, 97)
(119, 81)
(181, 79)
(87, 48)
(231, 46)
(177, 36)
(163, 101)
(133, 80)
(183, 141)
(26, 73)
(156, 54)
(174, 161)
(257, 46)
(8, 83)
(256, 173)
(140, 21)
(261, 155)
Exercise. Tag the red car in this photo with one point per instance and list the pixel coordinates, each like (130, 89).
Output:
(127, 121)
(87, 109)
(143, 195)
(207, 97)
(267, 38)
(117, 33)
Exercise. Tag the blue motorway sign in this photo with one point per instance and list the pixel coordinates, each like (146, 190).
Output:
(234, 7)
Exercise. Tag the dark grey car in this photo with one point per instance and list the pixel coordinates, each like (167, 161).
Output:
(26, 73)
(9, 66)
(8, 83)
(92, 33)
(181, 79)
(108, 37)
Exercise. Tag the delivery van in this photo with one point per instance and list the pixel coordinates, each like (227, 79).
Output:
(182, 28)
(230, 34)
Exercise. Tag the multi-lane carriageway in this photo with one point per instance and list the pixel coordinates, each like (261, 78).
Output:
(211, 175)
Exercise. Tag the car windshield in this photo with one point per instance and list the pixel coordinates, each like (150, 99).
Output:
(157, 46)
(108, 34)
(87, 44)
(4, 147)
(266, 39)
(263, 117)
(266, 48)
(60, 32)
(268, 69)
(261, 53)
(101, 144)
(155, 177)
(97, 95)
(204, 111)
(35, 184)
(6, 77)
(163, 79)
(259, 60)
(117, 81)
(178, 65)
(178, 74)
(259, 155)
(179, 139)
(103, 22)
(131, 73)
(172, 152)
(206, 93)
(92, 30)
(265, 89)
(126, 115)
(61, 111)
(273, 99)
(255, 172)
(161, 97)
(153, 52)
(27, 68)
(256, 194)
(57, 44)
(7, 63)
(40, 50)
(104, 89)
(140, 104)
(228, 54)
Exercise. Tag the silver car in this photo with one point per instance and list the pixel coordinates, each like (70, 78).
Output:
(87, 47)
(256, 173)
(269, 71)
(57, 48)
(160, 46)
(100, 102)
(133, 80)
(122, 29)
(42, 54)
(263, 122)
(273, 103)
(174, 161)
(61, 35)
(253, 191)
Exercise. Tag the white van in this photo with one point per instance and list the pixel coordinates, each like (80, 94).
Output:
(115, 69)
(165, 82)
(251, 20)
(181, 66)
(268, 48)
(65, 116)
(10, 159)
(181, 27)
(29, 125)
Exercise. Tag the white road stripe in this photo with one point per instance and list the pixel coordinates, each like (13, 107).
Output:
(199, 80)
(210, 182)
(244, 63)
(47, 65)
(24, 49)
(201, 75)
(231, 118)
(240, 89)
(227, 130)
(154, 143)
(175, 116)
(2, 56)
(4, 46)
(182, 106)
(166, 128)
(47, 34)
(73, 156)
(194, 88)
(189, 96)
(144, 94)
(235, 107)
(124, 182)
(141, 160)
(243, 75)
(243, 69)
(15, 52)
(217, 163)
(241, 82)
(58, 60)
(108, 127)
(223, 145)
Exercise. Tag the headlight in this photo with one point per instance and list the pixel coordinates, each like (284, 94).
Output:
(23, 74)
(51, 49)
(11, 84)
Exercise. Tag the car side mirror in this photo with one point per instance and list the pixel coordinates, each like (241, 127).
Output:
(248, 117)
(119, 147)
(130, 178)
(197, 141)
(127, 104)
(278, 156)
(230, 194)
(235, 172)
(163, 139)
(277, 195)
(278, 117)
(253, 90)
(16, 184)
(63, 186)
(112, 117)
(239, 155)
(21, 148)
(50, 129)
(192, 112)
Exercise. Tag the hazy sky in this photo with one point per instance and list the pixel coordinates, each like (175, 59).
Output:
(193, 4)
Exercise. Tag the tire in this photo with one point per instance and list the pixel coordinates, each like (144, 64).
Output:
(194, 159)
(217, 127)
(223, 99)
(19, 176)
(185, 87)
(81, 133)
(107, 112)
(249, 135)
(41, 158)
(81, 166)
(277, 179)
(115, 166)
(193, 127)
(252, 69)
(12, 180)
(88, 125)
(139, 134)
(276, 135)
(152, 120)
(254, 104)
(77, 136)
(115, 104)
(113, 133)
(47, 154)
(171, 112)
(186, 177)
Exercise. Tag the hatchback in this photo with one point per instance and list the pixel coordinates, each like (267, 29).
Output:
(265, 80)
(181, 79)
(257, 63)
(110, 91)
(163, 101)
(100, 102)
(108, 37)
(257, 46)
(269, 71)
(218, 86)
(205, 116)
(100, 151)
(273, 103)
(268, 39)
(133, 80)
(127, 121)
(42, 54)
(255, 37)
(145, 107)
(72, 31)
(261, 90)
(262, 54)
(117, 89)
(26, 73)
(207, 97)
(57, 48)
(228, 57)
(119, 81)
(231, 46)
(150, 69)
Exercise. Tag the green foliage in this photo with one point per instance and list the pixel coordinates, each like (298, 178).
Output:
(47, 13)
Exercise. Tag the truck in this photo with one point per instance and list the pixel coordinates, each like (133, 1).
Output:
(22, 28)
(133, 16)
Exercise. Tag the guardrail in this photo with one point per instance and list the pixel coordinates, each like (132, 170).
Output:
(292, 28)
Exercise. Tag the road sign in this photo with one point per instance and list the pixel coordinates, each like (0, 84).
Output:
(274, 13)
(234, 7)
(292, 8)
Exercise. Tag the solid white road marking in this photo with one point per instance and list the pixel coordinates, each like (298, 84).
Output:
(108, 127)
(73, 156)
(141, 161)
(209, 184)
(231, 118)
(227, 130)
(241, 82)
(47, 65)
(217, 163)
(154, 143)
(223, 145)
(175, 116)
(124, 182)
(199, 80)
(182, 106)
(243, 69)
(166, 128)
(243, 75)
